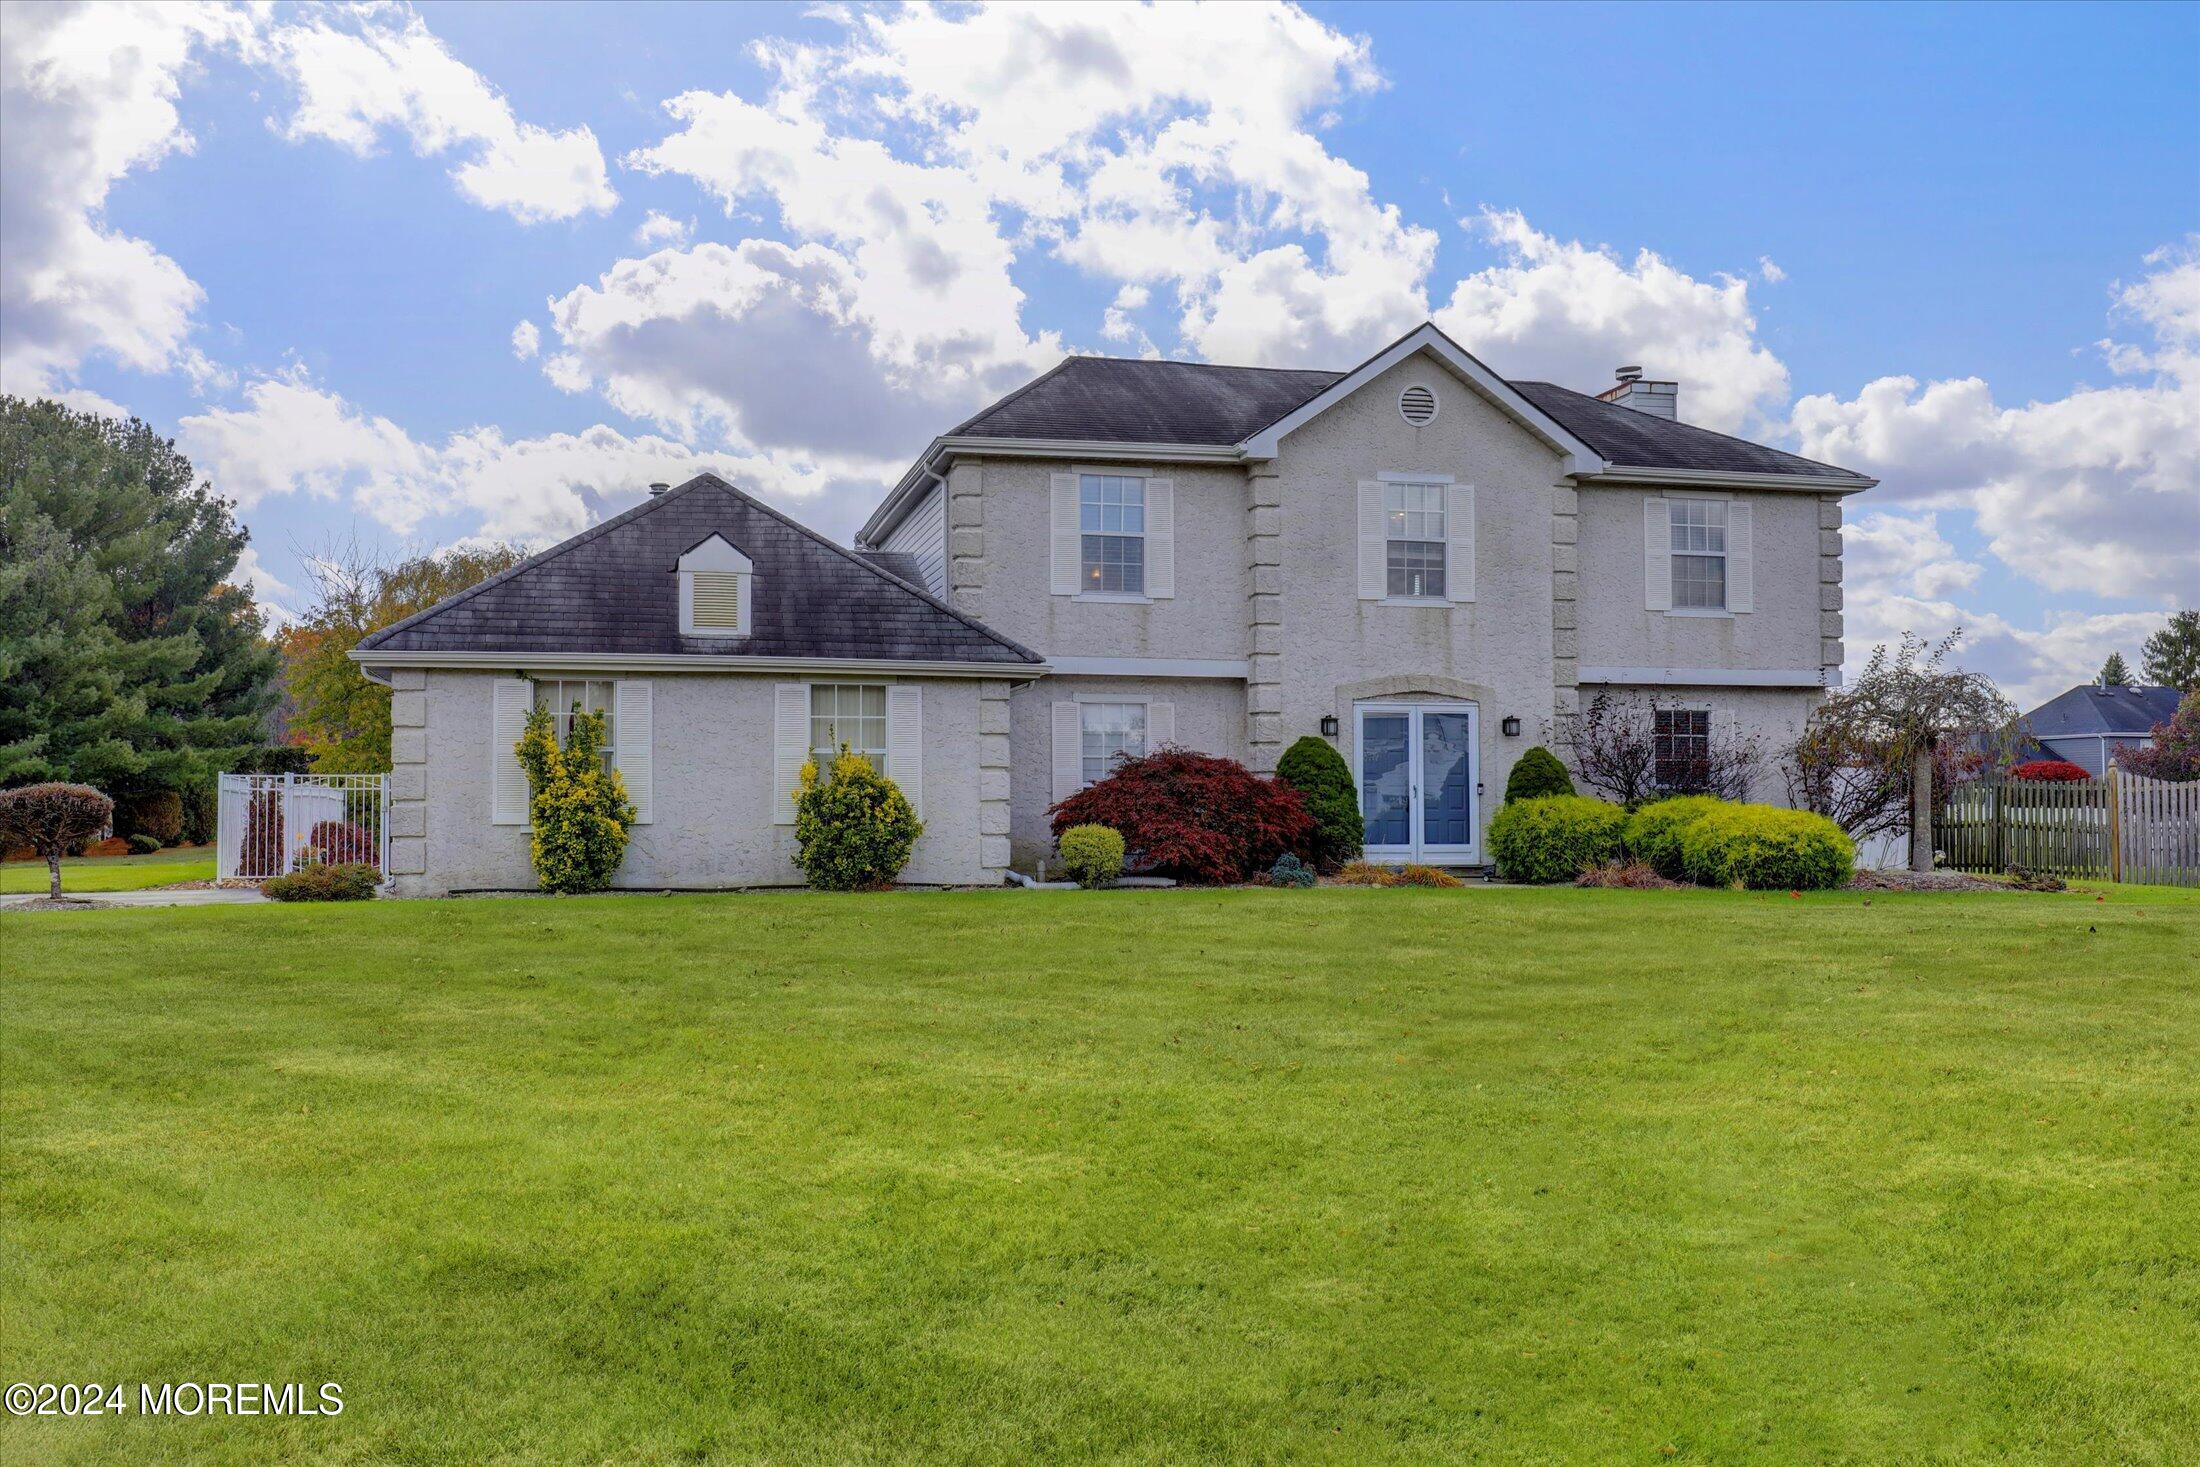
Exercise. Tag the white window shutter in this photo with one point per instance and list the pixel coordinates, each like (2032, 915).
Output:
(1160, 725)
(510, 700)
(790, 746)
(1160, 538)
(1459, 554)
(632, 710)
(1741, 591)
(747, 585)
(905, 741)
(1374, 547)
(1657, 554)
(1067, 558)
(1069, 750)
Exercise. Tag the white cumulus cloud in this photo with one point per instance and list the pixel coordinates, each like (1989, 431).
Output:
(360, 73)
(526, 340)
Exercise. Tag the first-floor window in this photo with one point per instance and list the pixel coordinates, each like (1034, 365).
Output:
(1413, 523)
(562, 697)
(1111, 731)
(848, 713)
(1683, 748)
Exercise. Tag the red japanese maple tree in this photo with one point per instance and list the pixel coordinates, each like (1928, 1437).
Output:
(1193, 816)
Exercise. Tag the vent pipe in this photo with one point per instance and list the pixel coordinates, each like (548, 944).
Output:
(657, 489)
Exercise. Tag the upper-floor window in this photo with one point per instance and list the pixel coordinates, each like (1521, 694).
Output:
(1413, 522)
(1683, 745)
(561, 697)
(848, 713)
(1109, 730)
(1111, 523)
(1699, 553)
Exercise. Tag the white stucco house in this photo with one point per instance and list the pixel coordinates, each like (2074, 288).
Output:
(1417, 559)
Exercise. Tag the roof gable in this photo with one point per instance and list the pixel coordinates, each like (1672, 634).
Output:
(1426, 340)
(614, 589)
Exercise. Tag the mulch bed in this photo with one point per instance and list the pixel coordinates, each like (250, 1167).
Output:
(1923, 881)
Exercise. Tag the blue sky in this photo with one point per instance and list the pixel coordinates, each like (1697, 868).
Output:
(1950, 246)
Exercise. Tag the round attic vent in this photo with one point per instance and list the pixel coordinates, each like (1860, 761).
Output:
(1417, 405)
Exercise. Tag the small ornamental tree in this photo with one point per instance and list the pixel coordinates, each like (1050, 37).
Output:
(2176, 750)
(1319, 774)
(2050, 771)
(1537, 774)
(54, 820)
(1614, 747)
(1193, 816)
(853, 827)
(577, 808)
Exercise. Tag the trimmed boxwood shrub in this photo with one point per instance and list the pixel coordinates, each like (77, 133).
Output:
(1320, 775)
(853, 827)
(142, 844)
(1765, 848)
(1555, 838)
(342, 882)
(1536, 775)
(1192, 816)
(1092, 855)
(1653, 832)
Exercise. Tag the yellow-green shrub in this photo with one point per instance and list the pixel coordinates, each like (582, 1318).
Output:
(1653, 833)
(1092, 855)
(854, 828)
(1554, 838)
(1766, 848)
(578, 809)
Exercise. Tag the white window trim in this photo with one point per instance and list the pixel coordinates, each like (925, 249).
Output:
(1116, 598)
(1726, 559)
(1443, 541)
(1144, 702)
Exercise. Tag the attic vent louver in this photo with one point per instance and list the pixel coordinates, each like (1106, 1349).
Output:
(1417, 405)
(717, 600)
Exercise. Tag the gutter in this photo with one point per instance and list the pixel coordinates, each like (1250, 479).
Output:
(1711, 479)
(373, 660)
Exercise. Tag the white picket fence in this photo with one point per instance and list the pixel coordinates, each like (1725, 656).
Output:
(271, 824)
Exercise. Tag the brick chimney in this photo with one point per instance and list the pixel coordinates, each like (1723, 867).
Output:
(1658, 399)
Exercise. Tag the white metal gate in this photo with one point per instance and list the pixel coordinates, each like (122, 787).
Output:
(271, 824)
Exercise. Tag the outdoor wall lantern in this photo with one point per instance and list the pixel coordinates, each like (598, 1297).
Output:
(1512, 728)
(1329, 725)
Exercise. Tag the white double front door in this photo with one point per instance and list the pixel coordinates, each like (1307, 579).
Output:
(1419, 770)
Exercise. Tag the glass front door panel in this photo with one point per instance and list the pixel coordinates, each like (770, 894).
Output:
(1386, 779)
(1446, 795)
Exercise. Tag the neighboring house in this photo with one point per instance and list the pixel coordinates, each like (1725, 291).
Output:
(1418, 559)
(2088, 724)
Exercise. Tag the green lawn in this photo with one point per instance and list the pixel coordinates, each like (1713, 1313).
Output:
(112, 873)
(1345, 1175)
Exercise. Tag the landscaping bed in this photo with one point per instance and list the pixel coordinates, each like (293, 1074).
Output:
(1246, 1175)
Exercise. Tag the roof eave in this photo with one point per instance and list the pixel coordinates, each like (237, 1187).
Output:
(1730, 479)
(699, 662)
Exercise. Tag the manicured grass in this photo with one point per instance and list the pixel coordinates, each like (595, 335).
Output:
(113, 873)
(1348, 1175)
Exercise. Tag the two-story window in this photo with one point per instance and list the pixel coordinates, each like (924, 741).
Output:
(1111, 525)
(1413, 524)
(1697, 554)
(1114, 536)
(1698, 539)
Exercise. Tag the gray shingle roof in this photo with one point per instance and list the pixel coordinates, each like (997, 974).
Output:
(2091, 709)
(1121, 400)
(1641, 440)
(1118, 400)
(614, 588)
